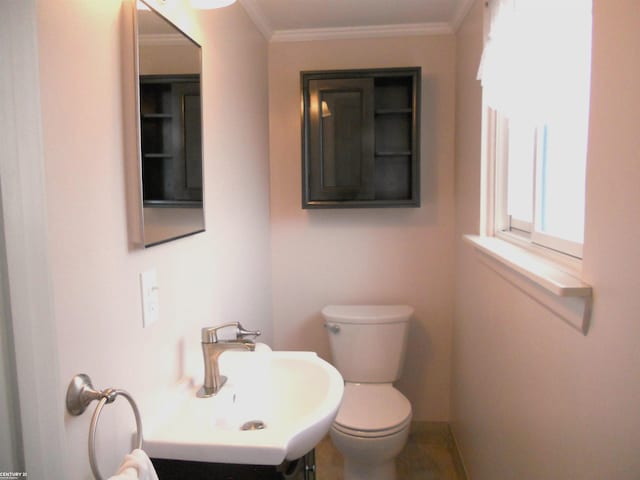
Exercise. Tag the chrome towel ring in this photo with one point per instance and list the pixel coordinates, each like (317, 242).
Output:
(80, 394)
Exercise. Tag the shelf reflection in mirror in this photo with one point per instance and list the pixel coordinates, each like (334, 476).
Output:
(169, 70)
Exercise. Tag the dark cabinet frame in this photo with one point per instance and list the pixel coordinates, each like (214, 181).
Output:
(380, 145)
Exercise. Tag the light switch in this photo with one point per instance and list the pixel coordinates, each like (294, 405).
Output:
(150, 297)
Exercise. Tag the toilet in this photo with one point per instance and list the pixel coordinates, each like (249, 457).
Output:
(372, 425)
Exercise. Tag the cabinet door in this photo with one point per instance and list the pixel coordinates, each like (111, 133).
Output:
(188, 141)
(340, 152)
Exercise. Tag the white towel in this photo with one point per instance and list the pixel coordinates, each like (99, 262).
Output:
(136, 466)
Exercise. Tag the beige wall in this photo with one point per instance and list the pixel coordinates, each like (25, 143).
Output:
(531, 397)
(166, 59)
(221, 275)
(367, 255)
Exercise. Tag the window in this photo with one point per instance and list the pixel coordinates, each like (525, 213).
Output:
(535, 72)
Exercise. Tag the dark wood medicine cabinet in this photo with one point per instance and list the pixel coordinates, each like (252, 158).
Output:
(361, 138)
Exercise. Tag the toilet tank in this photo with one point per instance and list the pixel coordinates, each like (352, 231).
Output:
(368, 342)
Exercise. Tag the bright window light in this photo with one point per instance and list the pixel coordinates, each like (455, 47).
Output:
(535, 72)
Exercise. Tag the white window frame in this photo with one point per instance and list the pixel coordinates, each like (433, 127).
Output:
(551, 278)
(515, 230)
(499, 93)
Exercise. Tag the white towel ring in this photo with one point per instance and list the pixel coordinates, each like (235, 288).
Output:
(80, 393)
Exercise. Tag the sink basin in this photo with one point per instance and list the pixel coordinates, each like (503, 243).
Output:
(276, 405)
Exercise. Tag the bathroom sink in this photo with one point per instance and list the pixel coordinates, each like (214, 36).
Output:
(275, 406)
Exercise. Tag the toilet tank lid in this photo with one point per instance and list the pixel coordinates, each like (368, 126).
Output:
(367, 313)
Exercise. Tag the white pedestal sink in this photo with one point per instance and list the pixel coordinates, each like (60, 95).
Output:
(294, 396)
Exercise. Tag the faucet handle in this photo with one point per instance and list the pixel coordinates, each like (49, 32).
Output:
(241, 332)
(210, 334)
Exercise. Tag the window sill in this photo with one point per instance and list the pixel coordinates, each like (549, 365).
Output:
(565, 295)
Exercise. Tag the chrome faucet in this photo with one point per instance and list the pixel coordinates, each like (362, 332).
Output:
(213, 347)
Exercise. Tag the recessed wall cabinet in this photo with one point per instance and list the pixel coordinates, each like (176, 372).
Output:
(361, 138)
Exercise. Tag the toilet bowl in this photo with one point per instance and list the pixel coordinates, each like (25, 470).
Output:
(372, 425)
(370, 430)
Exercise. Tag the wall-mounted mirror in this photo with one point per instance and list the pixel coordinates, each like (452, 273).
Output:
(169, 69)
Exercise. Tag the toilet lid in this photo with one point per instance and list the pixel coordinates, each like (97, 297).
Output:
(372, 407)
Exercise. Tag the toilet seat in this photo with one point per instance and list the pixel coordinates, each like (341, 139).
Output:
(372, 410)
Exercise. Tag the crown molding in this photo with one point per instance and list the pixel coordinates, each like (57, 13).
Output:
(258, 17)
(397, 30)
(262, 23)
(461, 13)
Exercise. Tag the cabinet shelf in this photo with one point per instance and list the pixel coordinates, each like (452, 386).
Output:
(173, 203)
(404, 153)
(157, 116)
(393, 111)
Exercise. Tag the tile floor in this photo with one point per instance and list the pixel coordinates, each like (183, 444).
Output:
(430, 454)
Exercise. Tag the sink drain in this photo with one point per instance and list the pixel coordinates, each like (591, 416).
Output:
(253, 425)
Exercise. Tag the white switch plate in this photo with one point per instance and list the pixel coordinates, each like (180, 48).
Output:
(150, 297)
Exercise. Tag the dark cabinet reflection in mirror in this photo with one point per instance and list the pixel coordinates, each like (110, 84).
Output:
(169, 72)
(171, 140)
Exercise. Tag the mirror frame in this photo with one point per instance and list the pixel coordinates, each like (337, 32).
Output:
(188, 205)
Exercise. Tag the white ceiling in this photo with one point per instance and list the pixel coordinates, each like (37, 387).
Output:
(300, 19)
